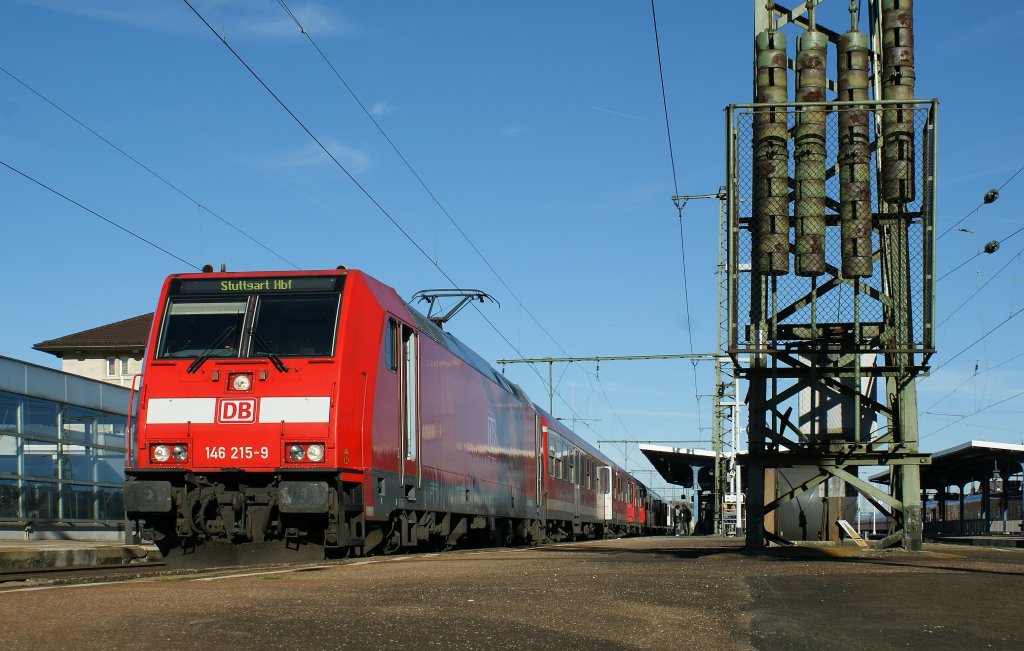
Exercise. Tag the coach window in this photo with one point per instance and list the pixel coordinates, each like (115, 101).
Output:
(551, 458)
(556, 445)
(565, 461)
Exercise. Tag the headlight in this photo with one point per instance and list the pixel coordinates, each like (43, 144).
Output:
(180, 453)
(315, 453)
(241, 382)
(161, 453)
(296, 453)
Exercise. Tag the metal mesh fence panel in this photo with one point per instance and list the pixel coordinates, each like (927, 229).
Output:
(852, 217)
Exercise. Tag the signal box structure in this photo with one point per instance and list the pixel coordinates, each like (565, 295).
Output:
(830, 213)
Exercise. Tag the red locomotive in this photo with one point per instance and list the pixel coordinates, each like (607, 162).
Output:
(317, 413)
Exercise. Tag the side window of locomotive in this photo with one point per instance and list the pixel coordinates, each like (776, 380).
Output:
(295, 326)
(391, 346)
(194, 327)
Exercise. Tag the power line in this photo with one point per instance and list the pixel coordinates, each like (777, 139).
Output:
(96, 214)
(664, 99)
(419, 178)
(1005, 239)
(141, 164)
(679, 205)
(946, 232)
(978, 290)
(973, 413)
(979, 339)
(973, 376)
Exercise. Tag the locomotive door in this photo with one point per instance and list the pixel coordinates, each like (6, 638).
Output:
(541, 449)
(409, 393)
(547, 453)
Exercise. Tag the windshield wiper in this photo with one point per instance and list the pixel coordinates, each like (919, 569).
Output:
(194, 366)
(274, 359)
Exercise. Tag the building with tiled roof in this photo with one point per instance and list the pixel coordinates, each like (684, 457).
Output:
(110, 353)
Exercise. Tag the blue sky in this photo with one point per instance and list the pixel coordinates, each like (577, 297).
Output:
(538, 126)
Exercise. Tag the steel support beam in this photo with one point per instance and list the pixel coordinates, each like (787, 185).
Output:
(881, 320)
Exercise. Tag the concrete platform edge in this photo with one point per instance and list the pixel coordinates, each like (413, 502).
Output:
(35, 556)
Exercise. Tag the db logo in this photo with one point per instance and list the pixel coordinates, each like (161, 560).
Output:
(236, 411)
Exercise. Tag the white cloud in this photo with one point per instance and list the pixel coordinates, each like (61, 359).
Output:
(380, 108)
(623, 115)
(312, 155)
(512, 132)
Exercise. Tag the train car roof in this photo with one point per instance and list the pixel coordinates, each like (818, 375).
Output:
(465, 353)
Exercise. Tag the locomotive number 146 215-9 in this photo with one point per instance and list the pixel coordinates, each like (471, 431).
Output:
(237, 452)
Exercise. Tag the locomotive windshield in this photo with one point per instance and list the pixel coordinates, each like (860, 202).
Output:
(250, 318)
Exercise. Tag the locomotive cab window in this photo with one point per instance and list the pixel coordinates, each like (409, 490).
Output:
(195, 327)
(295, 326)
(251, 317)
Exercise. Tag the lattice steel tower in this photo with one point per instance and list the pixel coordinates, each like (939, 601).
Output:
(830, 210)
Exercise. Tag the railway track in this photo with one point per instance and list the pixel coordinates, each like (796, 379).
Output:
(95, 574)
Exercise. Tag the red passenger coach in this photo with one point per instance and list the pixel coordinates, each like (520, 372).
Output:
(316, 413)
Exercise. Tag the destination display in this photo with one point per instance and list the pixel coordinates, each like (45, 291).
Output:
(255, 285)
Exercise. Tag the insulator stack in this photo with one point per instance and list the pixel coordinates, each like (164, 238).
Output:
(898, 84)
(770, 227)
(854, 156)
(809, 155)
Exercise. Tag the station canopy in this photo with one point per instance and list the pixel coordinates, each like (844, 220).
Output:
(676, 464)
(967, 462)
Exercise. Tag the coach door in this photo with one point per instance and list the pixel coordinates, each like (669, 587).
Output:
(409, 394)
(576, 474)
(604, 499)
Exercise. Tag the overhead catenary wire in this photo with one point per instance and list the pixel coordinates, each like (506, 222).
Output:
(145, 167)
(355, 181)
(437, 202)
(96, 214)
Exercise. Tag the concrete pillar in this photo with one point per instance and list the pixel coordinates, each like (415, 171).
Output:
(755, 507)
(985, 495)
(1004, 477)
(962, 488)
(943, 494)
(695, 509)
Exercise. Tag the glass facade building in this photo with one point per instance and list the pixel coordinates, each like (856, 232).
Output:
(62, 448)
